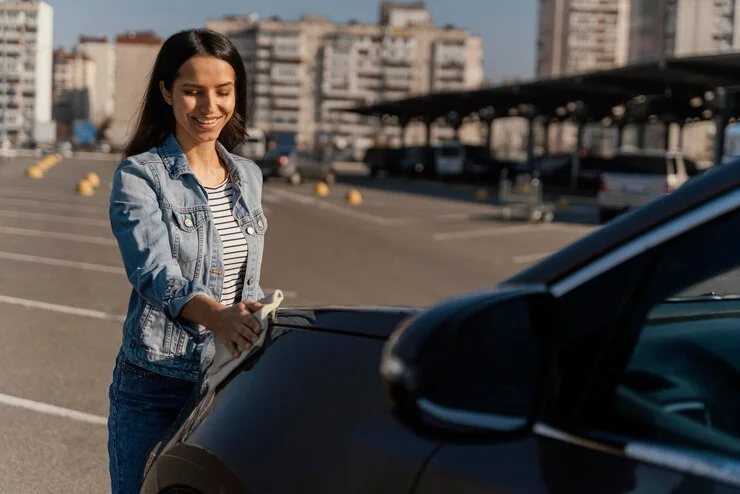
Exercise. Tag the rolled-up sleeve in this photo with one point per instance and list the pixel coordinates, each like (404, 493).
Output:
(142, 236)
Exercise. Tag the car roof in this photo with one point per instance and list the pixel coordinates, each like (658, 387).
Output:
(715, 182)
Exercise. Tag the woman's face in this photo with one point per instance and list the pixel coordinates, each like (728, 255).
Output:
(203, 98)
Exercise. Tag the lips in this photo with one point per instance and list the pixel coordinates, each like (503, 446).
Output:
(206, 122)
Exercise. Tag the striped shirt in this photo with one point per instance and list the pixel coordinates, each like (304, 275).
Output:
(235, 249)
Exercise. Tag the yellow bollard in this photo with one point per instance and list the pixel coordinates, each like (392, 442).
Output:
(93, 178)
(481, 195)
(353, 197)
(322, 189)
(34, 172)
(85, 188)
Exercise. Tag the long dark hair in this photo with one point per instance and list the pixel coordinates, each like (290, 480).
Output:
(156, 118)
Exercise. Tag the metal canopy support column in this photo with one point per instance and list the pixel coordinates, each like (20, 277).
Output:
(530, 139)
(454, 120)
(667, 133)
(546, 136)
(581, 131)
(641, 131)
(529, 112)
(403, 122)
(487, 116)
(427, 131)
(723, 110)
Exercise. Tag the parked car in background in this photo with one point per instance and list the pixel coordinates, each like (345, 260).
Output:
(415, 161)
(382, 161)
(635, 178)
(295, 165)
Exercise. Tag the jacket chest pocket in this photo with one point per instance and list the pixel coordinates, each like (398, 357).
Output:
(255, 225)
(188, 232)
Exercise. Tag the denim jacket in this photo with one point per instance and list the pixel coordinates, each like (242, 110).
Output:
(172, 252)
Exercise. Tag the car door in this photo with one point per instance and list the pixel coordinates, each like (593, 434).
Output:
(638, 370)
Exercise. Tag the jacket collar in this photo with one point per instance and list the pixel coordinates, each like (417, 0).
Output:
(177, 164)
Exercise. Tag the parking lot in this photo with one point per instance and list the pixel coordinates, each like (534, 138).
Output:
(63, 292)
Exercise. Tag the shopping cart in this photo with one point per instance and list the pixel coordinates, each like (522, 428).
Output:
(523, 198)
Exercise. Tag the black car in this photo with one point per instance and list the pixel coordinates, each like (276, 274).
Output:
(612, 366)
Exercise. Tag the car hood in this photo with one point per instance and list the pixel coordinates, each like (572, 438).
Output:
(371, 322)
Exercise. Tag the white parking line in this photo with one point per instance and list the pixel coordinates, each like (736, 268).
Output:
(62, 309)
(58, 236)
(302, 199)
(37, 406)
(85, 266)
(57, 206)
(494, 232)
(36, 193)
(269, 198)
(5, 213)
(526, 259)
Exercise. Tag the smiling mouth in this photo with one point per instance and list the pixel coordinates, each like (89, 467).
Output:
(206, 121)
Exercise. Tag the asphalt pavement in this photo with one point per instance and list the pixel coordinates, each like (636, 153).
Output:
(63, 292)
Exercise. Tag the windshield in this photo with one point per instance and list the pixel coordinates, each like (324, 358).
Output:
(726, 285)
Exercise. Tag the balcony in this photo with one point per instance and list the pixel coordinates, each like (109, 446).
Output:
(294, 91)
(286, 104)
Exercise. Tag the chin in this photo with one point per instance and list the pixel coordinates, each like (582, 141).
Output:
(209, 136)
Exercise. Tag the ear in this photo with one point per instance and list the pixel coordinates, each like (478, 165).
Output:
(165, 94)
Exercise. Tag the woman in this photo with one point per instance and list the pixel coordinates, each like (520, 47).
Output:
(188, 219)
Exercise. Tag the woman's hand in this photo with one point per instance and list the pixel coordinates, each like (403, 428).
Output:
(236, 327)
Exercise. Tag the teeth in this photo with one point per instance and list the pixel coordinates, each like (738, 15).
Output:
(206, 122)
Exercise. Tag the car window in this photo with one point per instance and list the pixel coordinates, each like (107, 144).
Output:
(638, 165)
(683, 370)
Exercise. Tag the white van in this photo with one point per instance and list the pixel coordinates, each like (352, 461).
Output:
(631, 179)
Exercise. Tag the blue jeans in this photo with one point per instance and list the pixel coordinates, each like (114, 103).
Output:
(144, 406)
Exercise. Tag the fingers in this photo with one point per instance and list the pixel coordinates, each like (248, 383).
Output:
(231, 348)
(252, 306)
(252, 324)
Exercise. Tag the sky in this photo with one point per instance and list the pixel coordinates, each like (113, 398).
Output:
(507, 27)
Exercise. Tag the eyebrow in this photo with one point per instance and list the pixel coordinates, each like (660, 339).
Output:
(190, 84)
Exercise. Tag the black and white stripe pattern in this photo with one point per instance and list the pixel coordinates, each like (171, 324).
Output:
(235, 249)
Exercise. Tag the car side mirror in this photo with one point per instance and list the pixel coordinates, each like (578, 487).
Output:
(473, 365)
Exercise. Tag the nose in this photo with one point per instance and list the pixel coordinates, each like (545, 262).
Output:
(208, 102)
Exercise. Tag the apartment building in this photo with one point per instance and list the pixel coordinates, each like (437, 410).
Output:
(26, 32)
(73, 87)
(102, 52)
(582, 35)
(578, 36)
(667, 28)
(304, 74)
(134, 60)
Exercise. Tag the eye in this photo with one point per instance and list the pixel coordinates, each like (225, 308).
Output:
(224, 95)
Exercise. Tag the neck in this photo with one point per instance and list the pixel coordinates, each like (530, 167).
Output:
(203, 159)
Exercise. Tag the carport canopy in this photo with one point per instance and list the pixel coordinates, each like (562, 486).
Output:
(671, 90)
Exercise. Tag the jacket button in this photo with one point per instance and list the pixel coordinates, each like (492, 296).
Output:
(260, 223)
(250, 230)
(250, 281)
(188, 222)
